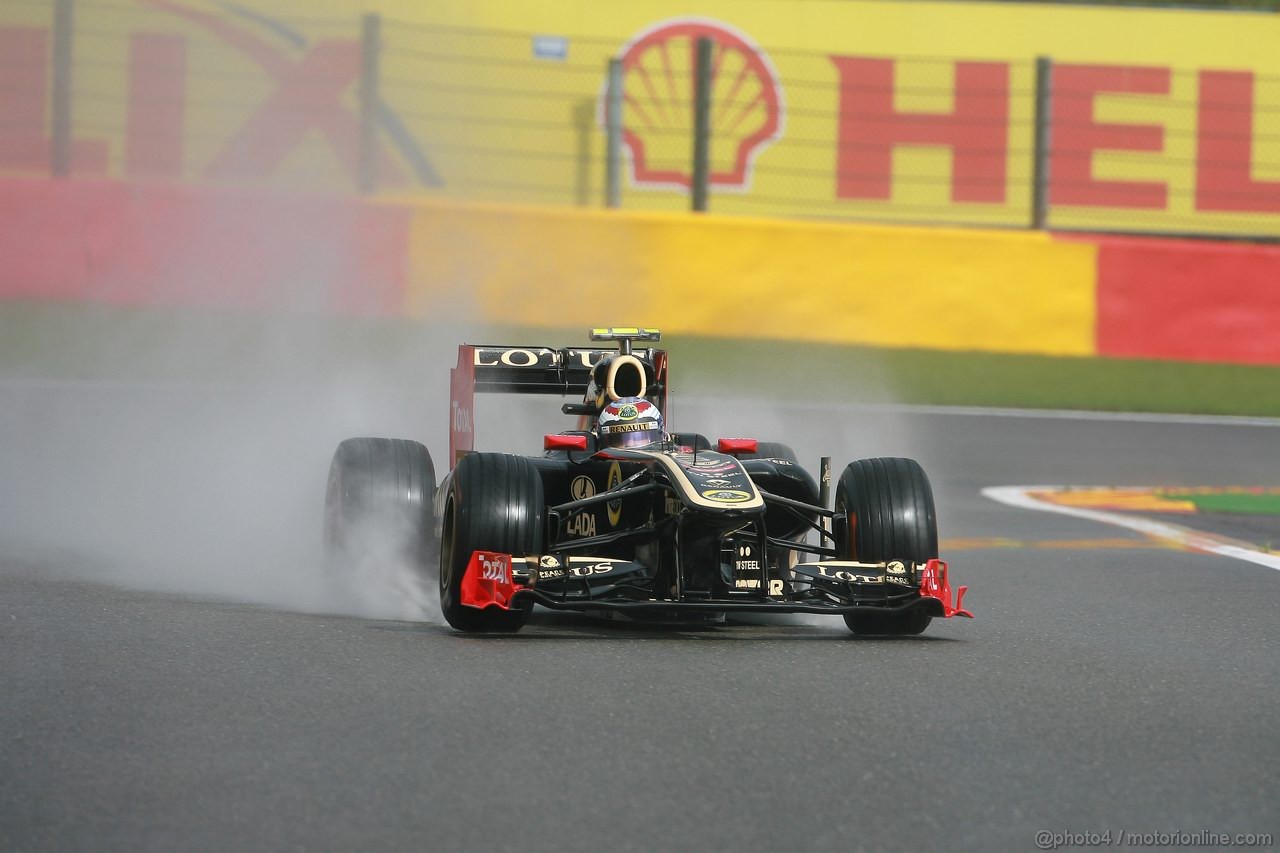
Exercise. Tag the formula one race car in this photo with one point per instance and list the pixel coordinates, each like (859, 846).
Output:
(620, 516)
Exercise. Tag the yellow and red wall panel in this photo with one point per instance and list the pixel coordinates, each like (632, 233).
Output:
(756, 278)
(1188, 300)
(736, 277)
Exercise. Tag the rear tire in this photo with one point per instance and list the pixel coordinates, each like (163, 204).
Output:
(378, 502)
(495, 503)
(884, 511)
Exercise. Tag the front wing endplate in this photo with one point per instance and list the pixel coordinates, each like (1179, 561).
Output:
(487, 581)
(934, 584)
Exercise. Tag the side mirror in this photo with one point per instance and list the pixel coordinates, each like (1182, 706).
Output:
(734, 446)
(564, 442)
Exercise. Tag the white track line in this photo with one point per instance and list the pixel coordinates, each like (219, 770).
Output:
(1020, 496)
(863, 408)
(1080, 415)
(991, 412)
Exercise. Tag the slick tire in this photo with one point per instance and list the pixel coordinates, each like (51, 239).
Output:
(494, 503)
(772, 450)
(884, 511)
(378, 505)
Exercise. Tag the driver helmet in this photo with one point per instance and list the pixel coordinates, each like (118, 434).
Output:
(630, 422)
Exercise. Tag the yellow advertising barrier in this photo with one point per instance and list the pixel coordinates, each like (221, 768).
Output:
(747, 278)
(1162, 120)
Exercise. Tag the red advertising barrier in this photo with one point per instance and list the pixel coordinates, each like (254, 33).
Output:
(162, 244)
(1188, 301)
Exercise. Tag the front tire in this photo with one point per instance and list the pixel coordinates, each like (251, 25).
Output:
(884, 511)
(494, 503)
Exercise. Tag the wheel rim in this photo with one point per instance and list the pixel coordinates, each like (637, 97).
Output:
(843, 528)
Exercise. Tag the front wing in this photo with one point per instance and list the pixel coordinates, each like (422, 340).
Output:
(499, 580)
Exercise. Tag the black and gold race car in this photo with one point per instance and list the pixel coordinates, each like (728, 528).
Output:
(627, 518)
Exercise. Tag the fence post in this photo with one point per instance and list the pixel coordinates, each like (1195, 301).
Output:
(370, 52)
(613, 136)
(1043, 144)
(701, 124)
(60, 92)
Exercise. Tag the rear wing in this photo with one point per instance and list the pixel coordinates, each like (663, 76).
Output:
(497, 369)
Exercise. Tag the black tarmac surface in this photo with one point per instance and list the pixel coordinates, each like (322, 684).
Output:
(160, 690)
(1257, 530)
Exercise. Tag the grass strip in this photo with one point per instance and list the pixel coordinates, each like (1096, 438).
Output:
(1238, 502)
(75, 341)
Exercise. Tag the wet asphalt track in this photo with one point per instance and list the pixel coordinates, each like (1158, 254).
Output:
(1124, 689)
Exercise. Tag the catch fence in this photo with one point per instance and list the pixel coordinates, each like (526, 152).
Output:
(704, 119)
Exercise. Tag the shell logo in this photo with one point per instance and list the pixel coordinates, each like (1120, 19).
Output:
(747, 111)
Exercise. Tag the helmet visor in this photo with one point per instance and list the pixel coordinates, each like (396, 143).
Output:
(636, 434)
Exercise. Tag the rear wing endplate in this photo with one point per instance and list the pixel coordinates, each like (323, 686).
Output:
(495, 369)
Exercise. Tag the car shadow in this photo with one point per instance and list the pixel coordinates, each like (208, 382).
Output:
(543, 626)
